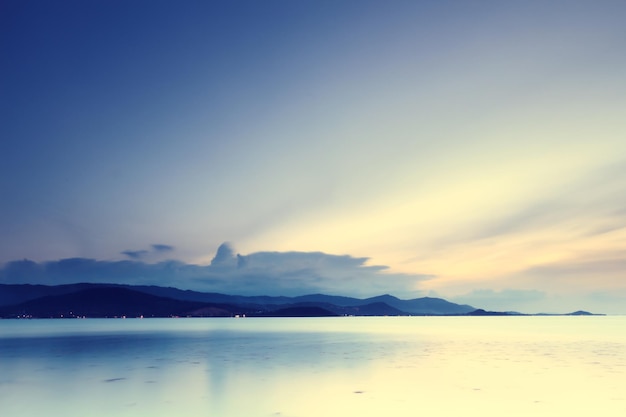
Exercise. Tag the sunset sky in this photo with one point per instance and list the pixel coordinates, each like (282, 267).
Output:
(470, 150)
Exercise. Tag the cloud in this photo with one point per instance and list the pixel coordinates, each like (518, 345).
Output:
(22, 271)
(591, 203)
(135, 254)
(155, 250)
(158, 247)
(308, 272)
(69, 270)
(583, 267)
(580, 274)
(224, 257)
(269, 273)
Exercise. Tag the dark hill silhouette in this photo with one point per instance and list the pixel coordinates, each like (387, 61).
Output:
(111, 302)
(299, 311)
(116, 300)
(370, 309)
(581, 313)
(423, 306)
(481, 312)
(14, 294)
(11, 294)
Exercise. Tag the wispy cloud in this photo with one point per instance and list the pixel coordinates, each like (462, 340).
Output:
(155, 250)
(596, 200)
(159, 247)
(135, 254)
(588, 272)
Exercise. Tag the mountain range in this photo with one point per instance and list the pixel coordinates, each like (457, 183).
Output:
(117, 300)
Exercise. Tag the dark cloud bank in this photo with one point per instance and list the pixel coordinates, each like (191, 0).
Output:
(260, 273)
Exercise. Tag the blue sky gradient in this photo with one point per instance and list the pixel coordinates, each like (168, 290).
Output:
(475, 149)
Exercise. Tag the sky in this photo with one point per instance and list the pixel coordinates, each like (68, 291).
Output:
(470, 150)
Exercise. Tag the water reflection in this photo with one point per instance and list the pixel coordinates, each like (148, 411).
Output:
(311, 367)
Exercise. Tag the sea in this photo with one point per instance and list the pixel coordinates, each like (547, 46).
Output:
(314, 367)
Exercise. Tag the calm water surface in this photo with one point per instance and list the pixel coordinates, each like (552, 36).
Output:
(348, 366)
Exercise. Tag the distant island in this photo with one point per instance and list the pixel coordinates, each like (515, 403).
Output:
(116, 300)
(481, 312)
